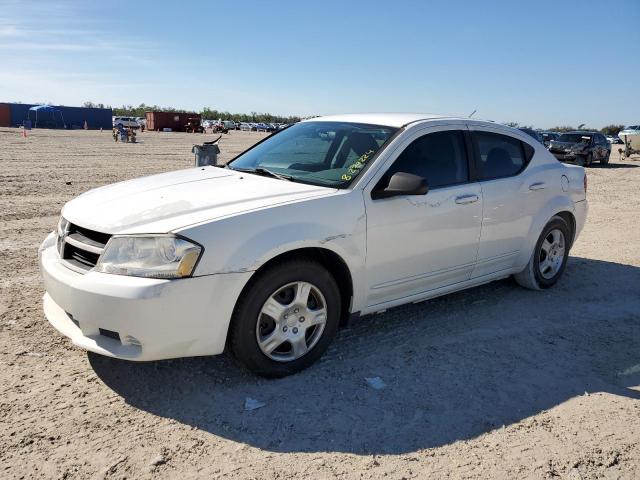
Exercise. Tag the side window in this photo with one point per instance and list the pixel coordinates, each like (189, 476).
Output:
(439, 157)
(500, 155)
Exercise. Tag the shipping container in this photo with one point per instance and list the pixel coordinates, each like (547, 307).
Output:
(73, 117)
(175, 121)
(19, 113)
(5, 115)
(95, 118)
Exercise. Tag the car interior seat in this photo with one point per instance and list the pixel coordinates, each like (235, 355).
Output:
(498, 163)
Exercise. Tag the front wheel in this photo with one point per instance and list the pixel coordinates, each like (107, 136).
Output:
(604, 160)
(286, 318)
(549, 257)
(588, 160)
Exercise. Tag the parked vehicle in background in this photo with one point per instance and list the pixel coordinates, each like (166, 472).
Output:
(630, 135)
(245, 127)
(581, 147)
(614, 140)
(548, 136)
(229, 124)
(532, 133)
(194, 125)
(261, 127)
(332, 217)
(131, 122)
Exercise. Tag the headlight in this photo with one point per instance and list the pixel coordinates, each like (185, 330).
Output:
(150, 256)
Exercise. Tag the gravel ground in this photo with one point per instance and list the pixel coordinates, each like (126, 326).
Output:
(494, 382)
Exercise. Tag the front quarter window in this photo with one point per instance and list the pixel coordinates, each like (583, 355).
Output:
(330, 154)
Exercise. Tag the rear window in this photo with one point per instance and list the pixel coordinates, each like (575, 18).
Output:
(500, 155)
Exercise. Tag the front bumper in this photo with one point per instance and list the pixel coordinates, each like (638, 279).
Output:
(565, 157)
(138, 318)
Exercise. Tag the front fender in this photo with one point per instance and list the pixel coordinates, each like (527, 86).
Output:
(245, 242)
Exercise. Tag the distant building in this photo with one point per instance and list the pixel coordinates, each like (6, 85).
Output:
(56, 116)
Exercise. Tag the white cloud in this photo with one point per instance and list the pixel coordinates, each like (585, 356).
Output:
(11, 31)
(42, 46)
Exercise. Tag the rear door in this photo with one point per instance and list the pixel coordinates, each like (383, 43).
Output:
(512, 195)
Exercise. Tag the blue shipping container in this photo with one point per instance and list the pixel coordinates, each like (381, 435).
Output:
(74, 117)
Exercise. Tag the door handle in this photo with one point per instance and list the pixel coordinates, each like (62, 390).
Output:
(466, 199)
(537, 186)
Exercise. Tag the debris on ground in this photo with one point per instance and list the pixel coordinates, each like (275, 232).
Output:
(376, 382)
(252, 404)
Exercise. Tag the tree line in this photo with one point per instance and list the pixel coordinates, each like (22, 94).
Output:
(608, 130)
(212, 114)
(206, 113)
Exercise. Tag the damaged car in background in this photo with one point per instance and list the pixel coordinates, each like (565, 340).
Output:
(330, 218)
(581, 147)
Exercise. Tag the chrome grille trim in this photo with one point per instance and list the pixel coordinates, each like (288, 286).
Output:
(89, 247)
(80, 248)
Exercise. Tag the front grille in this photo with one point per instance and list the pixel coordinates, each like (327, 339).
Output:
(80, 248)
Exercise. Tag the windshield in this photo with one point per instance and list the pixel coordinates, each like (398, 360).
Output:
(573, 137)
(330, 154)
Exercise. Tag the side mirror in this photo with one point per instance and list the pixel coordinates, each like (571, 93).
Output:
(401, 183)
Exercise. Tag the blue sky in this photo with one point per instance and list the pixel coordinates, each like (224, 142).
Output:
(544, 63)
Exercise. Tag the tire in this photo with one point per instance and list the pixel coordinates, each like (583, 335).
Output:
(291, 336)
(540, 274)
(605, 160)
(588, 160)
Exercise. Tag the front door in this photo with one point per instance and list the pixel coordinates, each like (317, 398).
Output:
(417, 243)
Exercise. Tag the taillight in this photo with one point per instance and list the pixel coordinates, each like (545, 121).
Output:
(585, 183)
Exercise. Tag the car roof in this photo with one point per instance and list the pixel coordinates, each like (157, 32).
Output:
(386, 119)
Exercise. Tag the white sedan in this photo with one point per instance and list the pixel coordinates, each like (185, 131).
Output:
(330, 218)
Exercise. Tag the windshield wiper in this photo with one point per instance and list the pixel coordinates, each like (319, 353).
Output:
(266, 173)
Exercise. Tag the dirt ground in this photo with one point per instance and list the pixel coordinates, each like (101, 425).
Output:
(493, 382)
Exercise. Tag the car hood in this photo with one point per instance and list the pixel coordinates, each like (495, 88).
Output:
(170, 201)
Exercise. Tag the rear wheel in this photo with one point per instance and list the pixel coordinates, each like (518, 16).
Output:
(549, 257)
(286, 318)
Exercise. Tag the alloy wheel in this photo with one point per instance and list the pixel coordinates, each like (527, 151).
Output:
(291, 321)
(551, 254)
